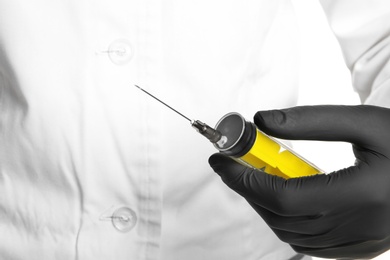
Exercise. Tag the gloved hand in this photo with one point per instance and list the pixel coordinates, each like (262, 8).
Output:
(344, 214)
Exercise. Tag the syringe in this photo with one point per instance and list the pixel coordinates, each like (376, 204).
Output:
(210, 133)
(242, 140)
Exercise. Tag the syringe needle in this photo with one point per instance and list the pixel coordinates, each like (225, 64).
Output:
(163, 103)
(210, 133)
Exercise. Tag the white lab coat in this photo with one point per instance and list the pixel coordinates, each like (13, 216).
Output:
(79, 143)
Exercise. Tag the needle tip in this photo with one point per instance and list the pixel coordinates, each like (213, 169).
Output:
(162, 102)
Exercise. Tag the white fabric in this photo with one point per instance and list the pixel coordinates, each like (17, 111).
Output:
(78, 141)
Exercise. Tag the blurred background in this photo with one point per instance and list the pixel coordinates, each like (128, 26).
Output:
(324, 79)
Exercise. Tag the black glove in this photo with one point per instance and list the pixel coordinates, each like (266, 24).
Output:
(344, 214)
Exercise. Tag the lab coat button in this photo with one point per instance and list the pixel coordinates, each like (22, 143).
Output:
(124, 219)
(120, 51)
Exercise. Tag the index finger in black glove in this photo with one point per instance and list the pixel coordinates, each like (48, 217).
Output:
(343, 214)
(366, 126)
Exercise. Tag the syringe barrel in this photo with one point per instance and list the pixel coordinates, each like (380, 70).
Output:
(246, 143)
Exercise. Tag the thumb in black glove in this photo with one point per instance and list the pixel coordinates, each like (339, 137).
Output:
(344, 214)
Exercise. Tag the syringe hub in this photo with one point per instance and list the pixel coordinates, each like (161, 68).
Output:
(210, 133)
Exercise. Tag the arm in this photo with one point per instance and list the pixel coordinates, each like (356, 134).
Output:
(363, 30)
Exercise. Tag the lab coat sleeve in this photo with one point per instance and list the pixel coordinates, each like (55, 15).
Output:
(363, 30)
